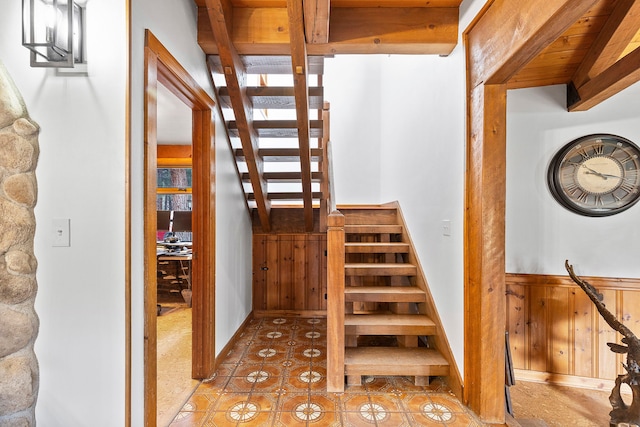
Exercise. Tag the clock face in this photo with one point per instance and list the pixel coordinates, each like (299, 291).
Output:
(596, 175)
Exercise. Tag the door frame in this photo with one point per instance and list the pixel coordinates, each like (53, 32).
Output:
(493, 56)
(161, 67)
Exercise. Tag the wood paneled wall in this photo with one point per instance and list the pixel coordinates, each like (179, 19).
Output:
(289, 273)
(554, 328)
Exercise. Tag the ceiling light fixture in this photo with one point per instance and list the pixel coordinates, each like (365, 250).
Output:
(53, 30)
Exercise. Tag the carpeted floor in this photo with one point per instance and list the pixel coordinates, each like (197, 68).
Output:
(558, 406)
(175, 384)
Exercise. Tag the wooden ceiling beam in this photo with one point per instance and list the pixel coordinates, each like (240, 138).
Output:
(301, 90)
(614, 79)
(265, 31)
(219, 12)
(316, 21)
(511, 34)
(620, 28)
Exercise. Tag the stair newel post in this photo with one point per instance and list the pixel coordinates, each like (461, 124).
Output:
(335, 302)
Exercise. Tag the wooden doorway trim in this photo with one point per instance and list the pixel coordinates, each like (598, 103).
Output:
(502, 39)
(162, 67)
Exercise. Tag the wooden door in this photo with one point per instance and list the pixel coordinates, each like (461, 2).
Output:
(289, 273)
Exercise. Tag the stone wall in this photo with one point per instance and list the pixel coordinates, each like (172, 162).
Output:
(18, 321)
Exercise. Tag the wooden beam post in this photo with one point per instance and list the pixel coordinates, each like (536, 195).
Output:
(335, 303)
(316, 20)
(485, 253)
(503, 38)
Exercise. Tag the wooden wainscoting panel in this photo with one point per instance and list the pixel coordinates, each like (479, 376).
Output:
(259, 276)
(289, 273)
(607, 361)
(584, 326)
(517, 315)
(556, 333)
(538, 322)
(630, 311)
(558, 329)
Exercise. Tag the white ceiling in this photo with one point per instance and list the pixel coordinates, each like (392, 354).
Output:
(174, 119)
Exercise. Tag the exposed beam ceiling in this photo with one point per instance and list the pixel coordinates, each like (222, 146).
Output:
(604, 71)
(594, 57)
(339, 27)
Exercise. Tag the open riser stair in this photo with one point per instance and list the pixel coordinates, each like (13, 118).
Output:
(390, 324)
(278, 124)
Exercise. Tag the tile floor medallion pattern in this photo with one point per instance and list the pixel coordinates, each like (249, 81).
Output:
(275, 376)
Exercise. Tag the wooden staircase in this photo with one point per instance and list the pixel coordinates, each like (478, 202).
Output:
(277, 121)
(389, 322)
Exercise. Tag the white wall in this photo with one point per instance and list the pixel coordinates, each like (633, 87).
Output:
(352, 86)
(174, 24)
(540, 233)
(233, 246)
(423, 168)
(80, 301)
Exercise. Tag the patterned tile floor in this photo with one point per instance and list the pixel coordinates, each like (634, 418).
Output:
(275, 376)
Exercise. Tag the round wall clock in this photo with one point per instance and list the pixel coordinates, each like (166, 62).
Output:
(596, 175)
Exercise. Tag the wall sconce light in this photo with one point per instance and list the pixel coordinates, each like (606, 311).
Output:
(53, 30)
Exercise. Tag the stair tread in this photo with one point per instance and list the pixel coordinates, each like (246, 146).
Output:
(376, 247)
(282, 154)
(275, 97)
(286, 195)
(417, 361)
(384, 294)
(383, 289)
(399, 355)
(378, 265)
(270, 64)
(372, 228)
(388, 320)
(380, 269)
(285, 176)
(376, 244)
(278, 128)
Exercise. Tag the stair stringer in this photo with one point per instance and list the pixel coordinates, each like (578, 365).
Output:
(439, 340)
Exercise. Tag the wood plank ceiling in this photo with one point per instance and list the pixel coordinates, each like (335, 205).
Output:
(596, 57)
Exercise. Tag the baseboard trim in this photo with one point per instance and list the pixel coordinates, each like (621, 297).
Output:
(259, 314)
(565, 380)
(232, 342)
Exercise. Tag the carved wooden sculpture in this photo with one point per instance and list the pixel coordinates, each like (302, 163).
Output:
(621, 413)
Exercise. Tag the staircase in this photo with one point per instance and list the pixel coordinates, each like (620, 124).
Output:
(277, 122)
(390, 323)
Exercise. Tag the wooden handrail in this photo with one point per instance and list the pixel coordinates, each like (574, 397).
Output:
(327, 204)
(335, 302)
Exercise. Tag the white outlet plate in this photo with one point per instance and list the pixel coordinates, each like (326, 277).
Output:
(61, 230)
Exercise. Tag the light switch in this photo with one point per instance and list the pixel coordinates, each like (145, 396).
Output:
(446, 227)
(61, 232)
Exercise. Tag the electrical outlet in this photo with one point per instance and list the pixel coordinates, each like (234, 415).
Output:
(446, 227)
